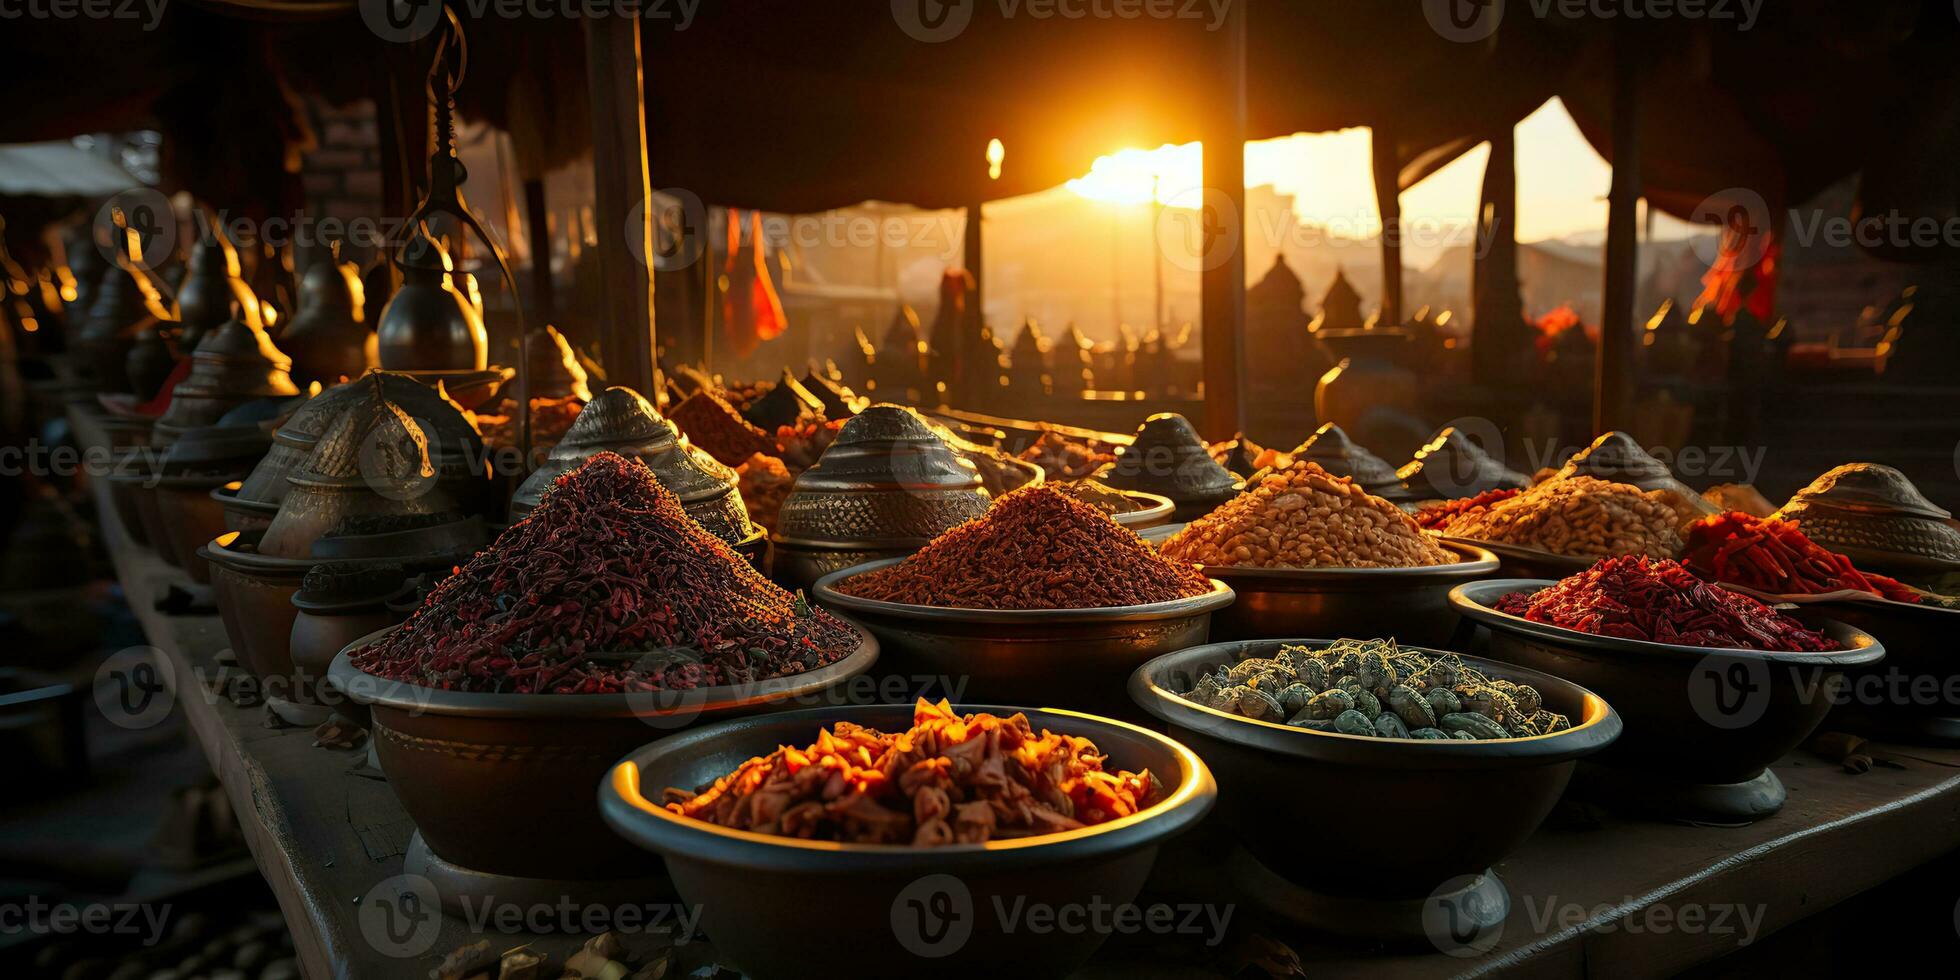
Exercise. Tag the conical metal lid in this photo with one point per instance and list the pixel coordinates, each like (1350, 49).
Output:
(1167, 458)
(1867, 487)
(616, 417)
(374, 444)
(887, 480)
(1451, 466)
(839, 402)
(1332, 450)
(1617, 458)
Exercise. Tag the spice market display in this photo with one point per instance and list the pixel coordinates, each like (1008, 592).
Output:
(951, 778)
(1038, 547)
(365, 582)
(1300, 516)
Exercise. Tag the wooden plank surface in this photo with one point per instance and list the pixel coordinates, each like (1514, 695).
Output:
(1588, 890)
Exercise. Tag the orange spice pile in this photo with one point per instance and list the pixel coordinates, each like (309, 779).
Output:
(948, 780)
(1036, 548)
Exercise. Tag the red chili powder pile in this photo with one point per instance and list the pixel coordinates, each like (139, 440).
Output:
(1659, 600)
(607, 586)
(1035, 548)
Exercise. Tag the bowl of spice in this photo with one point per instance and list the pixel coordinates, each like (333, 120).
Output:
(1773, 560)
(1564, 524)
(1714, 685)
(1306, 551)
(1399, 732)
(602, 619)
(920, 827)
(1042, 598)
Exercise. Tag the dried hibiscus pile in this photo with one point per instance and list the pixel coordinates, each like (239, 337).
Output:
(1035, 548)
(1661, 601)
(1435, 516)
(1774, 556)
(948, 780)
(607, 586)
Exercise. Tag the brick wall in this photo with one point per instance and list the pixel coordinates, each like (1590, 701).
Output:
(342, 177)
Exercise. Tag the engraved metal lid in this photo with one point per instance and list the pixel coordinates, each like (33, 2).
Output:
(1876, 517)
(234, 364)
(453, 440)
(1168, 459)
(373, 461)
(1617, 457)
(1332, 450)
(783, 404)
(1451, 465)
(888, 480)
(621, 420)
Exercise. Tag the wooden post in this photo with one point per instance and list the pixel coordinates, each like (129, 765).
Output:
(539, 229)
(1388, 200)
(1613, 391)
(965, 357)
(621, 202)
(1222, 279)
(1497, 309)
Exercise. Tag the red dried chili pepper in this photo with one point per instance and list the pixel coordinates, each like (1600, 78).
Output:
(1660, 600)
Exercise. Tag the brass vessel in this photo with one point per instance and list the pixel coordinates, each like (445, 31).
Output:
(1874, 515)
(1333, 451)
(1168, 459)
(211, 289)
(327, 339)
(235, 364)
(428, 325)
(1451, 466)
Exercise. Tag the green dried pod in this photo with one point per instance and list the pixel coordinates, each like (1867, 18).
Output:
(1366, 703)
(1247, 669)
(1463, 736)
(1312, 724)
(1295, 658)
(1528, 700)
(1328, 705)
(1354, 723)
(1347, 682)
(1375, 672)
(1314, 674)
(1205, 691)
(1430, 733)
(1551, 721)
(1293, 698)
(1271, 680)
(1443, 701)
(1255, 704)
(1488, 701)
(1443, 673)
(1477, 725)
(1411, 707)
(1525, 728)
(1389, 726)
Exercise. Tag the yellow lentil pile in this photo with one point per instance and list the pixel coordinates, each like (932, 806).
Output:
(1579, 516)
(1301, 516)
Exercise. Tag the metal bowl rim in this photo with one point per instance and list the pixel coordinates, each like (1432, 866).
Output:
(1502, 549)
(1469, 600)
(1157, 509)
(1598, 729)
(370, 689)
(1219, 597)
(640, 820)
(1480, 562)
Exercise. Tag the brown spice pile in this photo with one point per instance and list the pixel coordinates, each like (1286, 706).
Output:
(764, 483)
(1582, 517)
(1036, 548)
(1101, 496)
(948, 780)
(1301, 516)
(715, 426)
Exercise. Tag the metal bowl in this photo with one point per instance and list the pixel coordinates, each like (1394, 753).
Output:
(1073, 657)
(1348, 601)
(1518, 561)
(241, 514)
(794, 566)
(879, 903)
(1376, 801)
(1890, 700)
(124, 488)
(1154, 510)
(483, 774)
(464, 386)
(1703, 723)
(191, 517)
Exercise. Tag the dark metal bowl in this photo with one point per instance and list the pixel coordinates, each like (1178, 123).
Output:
(1909, 696)
(1074, 657)
(254, 594)
(124, 490)
(880, 905)
(1703, 723)
(502, 783)
(191, 517)
(1517, 561)
(1155, 510)
(1394, 818)
(1348, 601)
(798, 566)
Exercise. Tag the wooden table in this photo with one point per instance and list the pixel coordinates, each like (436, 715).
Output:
(1592, 894)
